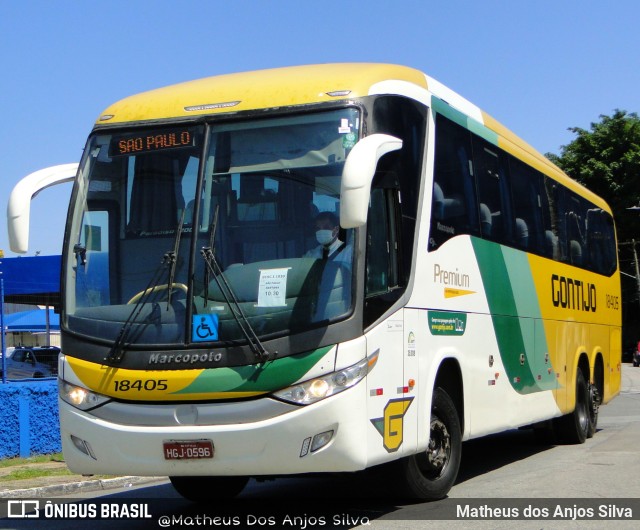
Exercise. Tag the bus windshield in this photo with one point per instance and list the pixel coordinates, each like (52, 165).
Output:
(261, 197)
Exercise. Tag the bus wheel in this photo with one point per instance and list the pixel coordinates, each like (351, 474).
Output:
(205, 489)
(592, 406)
(431, 474)
(573, 428)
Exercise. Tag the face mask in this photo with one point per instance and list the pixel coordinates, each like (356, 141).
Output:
(324, 237)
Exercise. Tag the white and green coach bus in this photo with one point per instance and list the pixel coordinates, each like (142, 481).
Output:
(470, 287)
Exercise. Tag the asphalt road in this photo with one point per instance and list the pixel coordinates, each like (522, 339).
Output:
(502, 472)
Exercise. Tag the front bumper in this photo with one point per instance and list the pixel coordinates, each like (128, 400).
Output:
(269, 446)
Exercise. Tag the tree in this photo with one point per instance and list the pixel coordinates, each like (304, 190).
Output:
(606, 159)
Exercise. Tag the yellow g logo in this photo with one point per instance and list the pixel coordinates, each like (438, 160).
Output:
(390, 426)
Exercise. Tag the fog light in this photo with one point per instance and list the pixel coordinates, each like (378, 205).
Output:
(320, 440)
(82, 446)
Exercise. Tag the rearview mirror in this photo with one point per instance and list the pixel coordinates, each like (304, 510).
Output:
(358, 172)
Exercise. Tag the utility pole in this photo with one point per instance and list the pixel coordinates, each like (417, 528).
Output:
(635, 261)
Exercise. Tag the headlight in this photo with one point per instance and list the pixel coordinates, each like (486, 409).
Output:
(328, 385)
(79, 397)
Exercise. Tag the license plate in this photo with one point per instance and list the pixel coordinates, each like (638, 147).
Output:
(187, 449)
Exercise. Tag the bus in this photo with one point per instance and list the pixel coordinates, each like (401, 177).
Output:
(474, 287)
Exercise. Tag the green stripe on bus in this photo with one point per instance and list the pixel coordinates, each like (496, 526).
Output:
(446, 110)
(515, 315)
(463, 120)
(266, 377)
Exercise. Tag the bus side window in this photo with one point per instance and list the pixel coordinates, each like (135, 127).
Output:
(491, 172)
(601, 241)
(609, 250)
(383, 267)
(453, 208)
(576, 236)
(378, 276)
(526, 187)
(551, 219)
(562, 218)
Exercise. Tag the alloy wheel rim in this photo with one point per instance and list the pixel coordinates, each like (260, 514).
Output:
(439, 450)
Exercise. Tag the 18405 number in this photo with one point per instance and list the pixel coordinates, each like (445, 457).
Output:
(124, 385)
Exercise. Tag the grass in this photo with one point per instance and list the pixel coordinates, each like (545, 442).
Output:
(40, 459)
(27, 473)
(24, 468)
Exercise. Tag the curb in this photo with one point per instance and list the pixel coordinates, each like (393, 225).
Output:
(54, 490)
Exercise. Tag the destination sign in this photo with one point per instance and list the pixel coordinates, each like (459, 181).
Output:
(151, 141)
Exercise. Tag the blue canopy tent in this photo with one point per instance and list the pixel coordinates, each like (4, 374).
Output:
(29, 280)
(33, 321)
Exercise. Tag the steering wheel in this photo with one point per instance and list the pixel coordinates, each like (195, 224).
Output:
(162, 287)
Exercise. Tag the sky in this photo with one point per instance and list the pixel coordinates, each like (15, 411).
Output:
(538, 66)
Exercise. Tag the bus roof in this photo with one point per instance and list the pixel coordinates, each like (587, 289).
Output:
(279, 87)
(300, 85)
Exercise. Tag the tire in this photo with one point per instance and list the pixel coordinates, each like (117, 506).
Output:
(431, 474)
(207, 489)
(593, 406)
(574, 428)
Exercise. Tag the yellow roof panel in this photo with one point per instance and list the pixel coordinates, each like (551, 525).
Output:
(260, 89)
(514, 145)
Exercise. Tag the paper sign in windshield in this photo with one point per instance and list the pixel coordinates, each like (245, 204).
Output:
(272, 290)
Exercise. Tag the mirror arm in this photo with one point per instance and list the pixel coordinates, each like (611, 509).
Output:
(19, 206)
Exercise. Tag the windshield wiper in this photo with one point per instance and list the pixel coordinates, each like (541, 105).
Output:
(172, 259)
(229, 296)
(212, 240)
(124, 338)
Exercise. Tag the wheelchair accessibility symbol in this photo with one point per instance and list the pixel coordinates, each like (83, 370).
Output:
(204, 328)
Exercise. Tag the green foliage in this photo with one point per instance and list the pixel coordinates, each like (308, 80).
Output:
(33, 467)
(606, 159)
(25, 473)
(40, 459)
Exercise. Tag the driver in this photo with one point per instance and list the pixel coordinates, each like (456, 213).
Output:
(330, 247)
